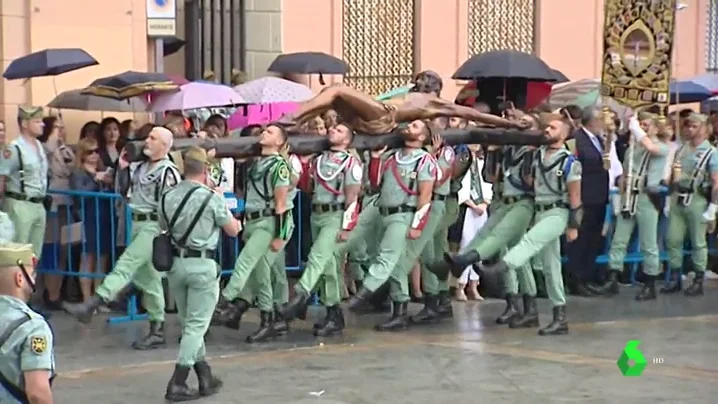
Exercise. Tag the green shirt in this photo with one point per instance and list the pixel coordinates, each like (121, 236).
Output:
(511, 169)
(265, 175)
(445, 160)
(550, 180)
(148, 181)
(205, 234)
(402, 171)
(7, 228)
(655, 165)
(331, 172)
(690, 157)
(30, 347)
(34, 167)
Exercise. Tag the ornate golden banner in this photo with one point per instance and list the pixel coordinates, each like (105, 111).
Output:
(637, 43)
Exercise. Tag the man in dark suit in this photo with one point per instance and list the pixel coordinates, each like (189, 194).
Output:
(583, 251)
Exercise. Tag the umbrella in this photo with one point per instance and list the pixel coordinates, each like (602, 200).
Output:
(508, 64)
(74, 99)
(48, 62)
(707, 80)
(399, 91)
(270, 90)
(172, 45)
(559, 77)
(683, 92)
(196, 95)
(567, 93)
(308, 63)
(130, 84)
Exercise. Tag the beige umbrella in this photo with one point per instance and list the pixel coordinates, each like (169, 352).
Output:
(74, 99)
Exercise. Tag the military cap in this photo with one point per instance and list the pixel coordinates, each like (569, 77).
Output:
(696, 117)
(12, 254)
(197, 154)
(29, 112)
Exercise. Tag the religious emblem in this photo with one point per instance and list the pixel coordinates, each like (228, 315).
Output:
(38, 344)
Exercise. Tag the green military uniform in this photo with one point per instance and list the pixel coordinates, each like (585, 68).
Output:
(552, 174)
(364, 249)
(7, 228)
(26, 340)
(643, 209)
(262, 226)
(686, 217)
(148, 181)
(24, 165)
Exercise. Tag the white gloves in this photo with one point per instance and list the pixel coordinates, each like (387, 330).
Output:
(710, 214)
(635, 127)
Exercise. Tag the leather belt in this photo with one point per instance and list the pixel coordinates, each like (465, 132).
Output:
(144, 217)
(21, 197)
(437, 197)
(386, 211)
(260, 213)
(549, 206)
(513, 199)
(189, 253)
(326, 207)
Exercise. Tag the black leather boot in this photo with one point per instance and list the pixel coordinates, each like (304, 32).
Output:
(334, 325)
(399, 320)
(674, 282)
(209, 384)
(281, 325)
(83, 311)
(441, 269)
(177, 389)
(233, 315)
(357, 301)
(297, 307)
(459, 262)
(559, 325)
(445, 309)
(696, 287)
(429, 314)
(648, 291)
(530, 318)
(324, 321)
(611, 287)
(266, 328)
(513, 309)
(154, 339)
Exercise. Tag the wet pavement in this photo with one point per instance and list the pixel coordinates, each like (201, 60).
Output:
(465, 360)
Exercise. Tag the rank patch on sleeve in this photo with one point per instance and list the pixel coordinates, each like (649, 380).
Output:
(283, 172)
(38, 344)
(6, 153)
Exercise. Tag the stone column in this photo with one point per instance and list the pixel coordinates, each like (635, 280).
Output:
(264, 35)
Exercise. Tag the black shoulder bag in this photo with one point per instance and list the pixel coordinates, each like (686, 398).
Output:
(162, 254)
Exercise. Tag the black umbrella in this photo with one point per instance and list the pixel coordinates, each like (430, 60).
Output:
(507, 64)
(560, 77)
(48, 62)
(130, 84)
(172, 45)
(308, 63)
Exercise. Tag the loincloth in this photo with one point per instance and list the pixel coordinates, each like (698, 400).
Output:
(383, 125)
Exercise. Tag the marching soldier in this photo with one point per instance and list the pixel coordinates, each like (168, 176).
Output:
(268, 227)
(335, 178)
(143, 184)
(193, 215)
(640, 203)
(27, 360)
(557, 190)
(406, 178)
(24, 167)
(694, 204)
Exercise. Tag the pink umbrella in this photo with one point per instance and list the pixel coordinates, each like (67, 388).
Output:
(195, 95)
(259, 114)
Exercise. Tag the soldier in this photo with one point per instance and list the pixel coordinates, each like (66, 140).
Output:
(24, 167)
(694, 203)
(193, 214)
(640, 203)
(406, 178)
(557, 190)
(7, 228)
(268, 227)
(142, 183)
(335, 177)
(27, 360)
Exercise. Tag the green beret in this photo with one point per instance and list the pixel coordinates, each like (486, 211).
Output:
(13, 254)
(29, 112)
(696, 117)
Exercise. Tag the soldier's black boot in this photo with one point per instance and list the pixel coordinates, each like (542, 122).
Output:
(441, 269)
(611, 286)
(83, 311)
(696, 287)
(297, 307)
(513, 309)
(648, 291)
(530, 317)
(399, 320)
(445, 309)
(429, 314)
(324, 321)
(209, 384)
(559, 324)
(266, 328)
(154, 339)
(281, 325)
(674, 282)
(357, 301)
(334, 324)
(233, 315)
(459, 262)
(177, 389)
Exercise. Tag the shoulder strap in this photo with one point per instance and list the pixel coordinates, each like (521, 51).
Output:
(15, 391)
(195, 219)
(180, 207)
(700, 167)
(21, 167)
